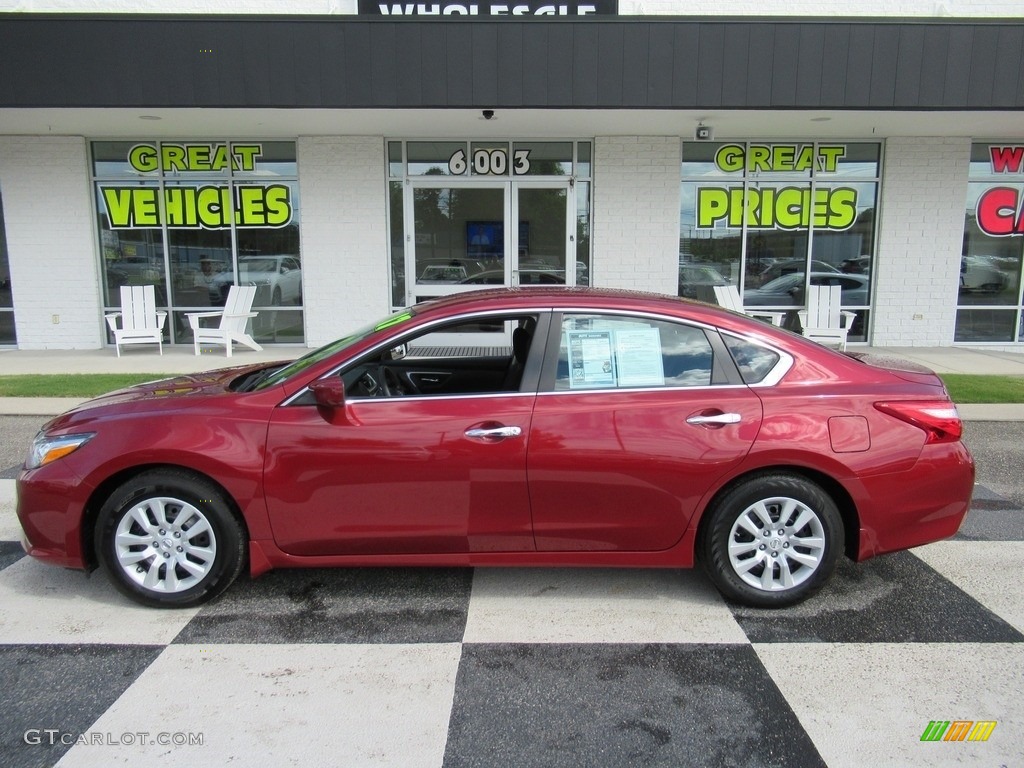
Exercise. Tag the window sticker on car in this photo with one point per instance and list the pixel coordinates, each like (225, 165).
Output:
(638, 360)
(590, 359)
(629, 356)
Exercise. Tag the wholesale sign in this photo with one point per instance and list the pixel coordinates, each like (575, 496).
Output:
(489, 10)
(209, 205)
(1000, 210)
(788, 206)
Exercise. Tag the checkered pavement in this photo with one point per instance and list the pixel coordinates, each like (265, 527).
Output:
(460, 667)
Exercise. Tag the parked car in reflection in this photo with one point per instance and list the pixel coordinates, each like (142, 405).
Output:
(278, 279)
(582, 273)
(789, 291)
(788, 267)
(134, 270)
(526, 277)
(980, 274)
(617, 429)
(697, 280)
(442, 273)
(858, 265)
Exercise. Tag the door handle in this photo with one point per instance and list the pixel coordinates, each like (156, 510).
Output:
(715, 420)
(493, 434)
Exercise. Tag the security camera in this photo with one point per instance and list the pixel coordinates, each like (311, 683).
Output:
(488, 114)
(703, 133)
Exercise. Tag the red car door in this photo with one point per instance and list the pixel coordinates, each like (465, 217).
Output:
(405, 475)
(622, 448)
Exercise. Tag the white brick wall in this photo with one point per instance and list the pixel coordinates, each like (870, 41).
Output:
(51, 242)
(636, 212)
(924, 192)
(882, 8)
(343, 194)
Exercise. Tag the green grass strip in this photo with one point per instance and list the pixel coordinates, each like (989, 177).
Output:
(975, 388)
(71, 384)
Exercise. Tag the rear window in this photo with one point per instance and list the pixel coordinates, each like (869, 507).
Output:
(754, 361)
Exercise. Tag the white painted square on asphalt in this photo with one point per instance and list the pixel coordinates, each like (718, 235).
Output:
(986, 570)
(10, 528)
(44, 604)
(303, 705)
(870, 703)
(590, 605)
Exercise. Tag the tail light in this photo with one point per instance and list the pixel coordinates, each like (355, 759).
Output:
(938, 418)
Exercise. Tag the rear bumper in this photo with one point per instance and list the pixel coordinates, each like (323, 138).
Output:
(924, 504)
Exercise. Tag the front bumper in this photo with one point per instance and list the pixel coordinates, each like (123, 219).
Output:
(51, 503)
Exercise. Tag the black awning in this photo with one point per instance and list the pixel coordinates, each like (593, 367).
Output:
(554, 63)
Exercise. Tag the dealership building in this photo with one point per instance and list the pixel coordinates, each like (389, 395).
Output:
(353, 157)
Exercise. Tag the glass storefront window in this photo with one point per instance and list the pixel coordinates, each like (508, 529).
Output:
(7, 333)
(542, 158)
(490, 158)
(395, 163)
(583, 276)
(774, 218)
(707, 256)
(275, 159)
(583, 159)
(194, 218)
(396, 226)
(990, 307)
(433, 158)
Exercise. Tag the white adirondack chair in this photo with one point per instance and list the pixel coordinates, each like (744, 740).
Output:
(233, 320)
(728, 297)
(824, 320)
(141, 323)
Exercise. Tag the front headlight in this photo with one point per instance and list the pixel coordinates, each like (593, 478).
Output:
(46, 449)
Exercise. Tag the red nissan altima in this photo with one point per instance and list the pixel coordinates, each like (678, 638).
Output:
(542, 427)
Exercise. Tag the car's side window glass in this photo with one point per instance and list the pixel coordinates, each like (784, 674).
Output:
(619, 352)
(470, 357)
(754, 361)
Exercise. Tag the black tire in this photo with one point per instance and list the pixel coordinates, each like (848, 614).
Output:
(769, 566)
(168, 539)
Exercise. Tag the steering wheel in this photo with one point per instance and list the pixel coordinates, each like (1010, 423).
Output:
(390, 383)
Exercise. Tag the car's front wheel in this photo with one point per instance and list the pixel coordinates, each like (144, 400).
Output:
(168, 538)
(772, 540)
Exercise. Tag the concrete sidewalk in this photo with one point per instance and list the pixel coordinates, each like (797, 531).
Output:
(182, 360)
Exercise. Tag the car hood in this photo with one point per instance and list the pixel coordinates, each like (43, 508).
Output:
(162, 393)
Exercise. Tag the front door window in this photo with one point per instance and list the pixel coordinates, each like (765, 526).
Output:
(459, 239)
(541, 256)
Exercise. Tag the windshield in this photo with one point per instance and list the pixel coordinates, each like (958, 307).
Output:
(314, 357)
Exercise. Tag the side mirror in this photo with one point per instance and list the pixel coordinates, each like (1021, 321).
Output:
(329, 396)
(329, 392)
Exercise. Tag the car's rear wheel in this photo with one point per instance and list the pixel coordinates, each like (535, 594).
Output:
(168, 538)
(772, 540)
